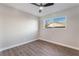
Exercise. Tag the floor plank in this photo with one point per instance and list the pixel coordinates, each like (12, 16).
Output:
(40, 48)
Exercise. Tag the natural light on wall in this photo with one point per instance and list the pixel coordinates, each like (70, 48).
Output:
(57, 22)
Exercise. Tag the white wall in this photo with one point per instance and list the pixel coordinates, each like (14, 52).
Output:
(68, 36)
(16, 27)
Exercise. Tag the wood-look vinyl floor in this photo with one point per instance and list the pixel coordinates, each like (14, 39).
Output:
(40, 48)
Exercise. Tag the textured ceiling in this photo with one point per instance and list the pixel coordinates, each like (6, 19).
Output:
(34, 10)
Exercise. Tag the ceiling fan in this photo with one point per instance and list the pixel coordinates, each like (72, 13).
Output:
(42, 5)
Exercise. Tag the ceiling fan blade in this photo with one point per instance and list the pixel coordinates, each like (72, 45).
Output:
(48, 4)
(35, 4)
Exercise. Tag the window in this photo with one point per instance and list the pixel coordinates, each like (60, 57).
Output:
(57, 22)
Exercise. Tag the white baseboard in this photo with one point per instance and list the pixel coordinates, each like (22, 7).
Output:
(65, 45)
(39, 39)
(17, 45)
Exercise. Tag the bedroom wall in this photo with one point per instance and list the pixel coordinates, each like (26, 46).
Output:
(16, 27)
(68, 36)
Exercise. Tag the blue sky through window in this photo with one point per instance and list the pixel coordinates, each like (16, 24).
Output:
(57, 19)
